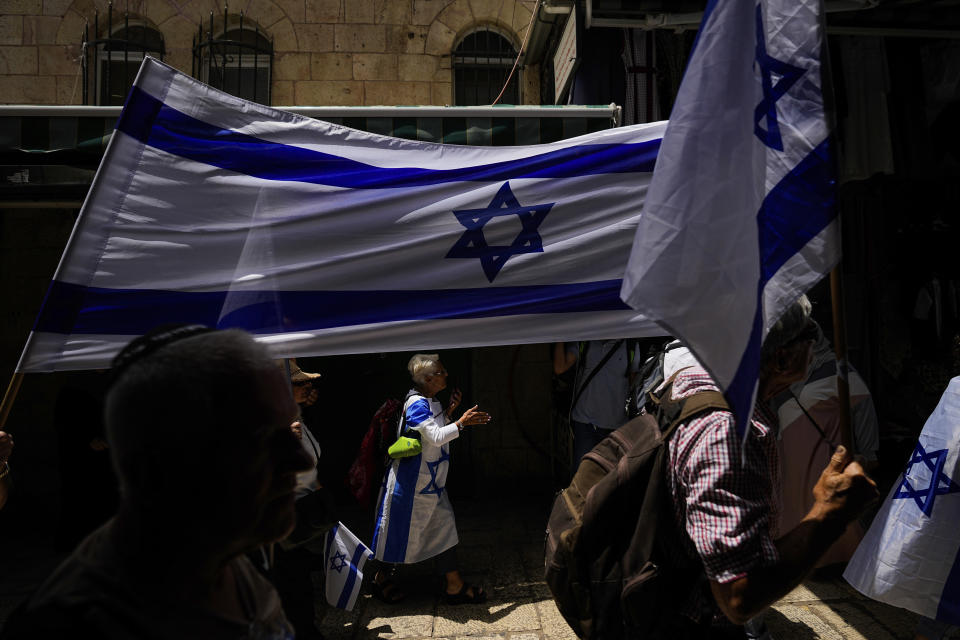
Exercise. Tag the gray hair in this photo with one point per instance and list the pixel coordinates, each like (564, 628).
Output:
(175, 405)
(421, 365)
(791, 324)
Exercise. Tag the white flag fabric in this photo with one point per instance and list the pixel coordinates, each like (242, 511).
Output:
(320, 239)
(910, 556)
(343, 566)
(739, 219)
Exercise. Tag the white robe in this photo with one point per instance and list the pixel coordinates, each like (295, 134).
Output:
(414, 518)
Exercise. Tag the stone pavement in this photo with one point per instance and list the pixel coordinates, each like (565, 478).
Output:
(502, 547)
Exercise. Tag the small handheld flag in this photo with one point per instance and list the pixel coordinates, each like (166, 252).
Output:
(344, 559)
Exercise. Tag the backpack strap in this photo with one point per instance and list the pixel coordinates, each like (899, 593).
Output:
(402, 424)
(594, 372)
(670, 412)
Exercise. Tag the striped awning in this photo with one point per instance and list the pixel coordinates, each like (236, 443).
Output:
(51, 153)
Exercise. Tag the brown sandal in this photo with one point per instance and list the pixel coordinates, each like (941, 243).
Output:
(462, 597)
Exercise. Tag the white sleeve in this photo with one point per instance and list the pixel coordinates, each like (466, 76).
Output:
(431, 426)
(436, 433)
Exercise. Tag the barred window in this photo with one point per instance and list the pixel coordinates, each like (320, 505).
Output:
(481, 65)
(238, 61)
(111, 63)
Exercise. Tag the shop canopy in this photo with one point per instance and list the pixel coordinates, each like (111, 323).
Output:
(49, 154)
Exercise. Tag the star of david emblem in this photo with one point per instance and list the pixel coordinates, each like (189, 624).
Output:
(939, 484)
(788, 75)
(472, 244)
(338, 562)
(432, 487)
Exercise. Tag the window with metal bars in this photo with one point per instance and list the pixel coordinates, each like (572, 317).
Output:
(110, 63)
(238, 61)
(481, 65)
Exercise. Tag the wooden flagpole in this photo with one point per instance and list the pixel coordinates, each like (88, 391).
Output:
(836, 275)
(840, 349)
(11, 394)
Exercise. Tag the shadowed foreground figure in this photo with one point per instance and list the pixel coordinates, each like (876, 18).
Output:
(198, 423)
(724, 495)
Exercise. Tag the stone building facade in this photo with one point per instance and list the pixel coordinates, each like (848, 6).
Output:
(326, 52)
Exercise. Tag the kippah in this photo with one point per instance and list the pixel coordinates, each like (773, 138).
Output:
(150, 342)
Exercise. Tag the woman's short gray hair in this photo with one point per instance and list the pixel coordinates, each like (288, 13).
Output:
(791, 324)
(421, 365)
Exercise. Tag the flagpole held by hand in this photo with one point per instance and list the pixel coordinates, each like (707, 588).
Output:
(836, 274)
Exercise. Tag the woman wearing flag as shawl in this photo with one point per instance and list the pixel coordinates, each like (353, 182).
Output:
(414, 518)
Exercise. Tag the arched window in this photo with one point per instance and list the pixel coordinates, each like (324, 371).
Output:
(481, 65)
(237, 61)
(111, 62)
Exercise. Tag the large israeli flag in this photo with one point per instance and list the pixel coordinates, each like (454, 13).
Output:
(321, 239)
(739, 220)
(344, 557)
(910, 556)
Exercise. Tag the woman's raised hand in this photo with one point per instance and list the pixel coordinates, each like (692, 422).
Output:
(474, 416)
(455, 398)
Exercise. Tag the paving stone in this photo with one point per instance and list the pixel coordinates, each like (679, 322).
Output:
(541, 591)
(337, 624)
(531, 557)
(798, 595)
(825, 590)
(508, 577)
(474, 619)
(505, 553)
(413, 618)
(851, 623)
(900, 623)
(552, 624)
(799, 621)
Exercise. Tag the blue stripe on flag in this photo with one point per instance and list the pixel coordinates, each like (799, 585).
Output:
(344, 600)
(949, 608)
(401, 509)
(739, 392)
(158, 125)
(75, 309)
(799, 207)
(417, 412)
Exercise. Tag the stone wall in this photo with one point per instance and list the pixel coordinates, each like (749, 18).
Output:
(326, 52)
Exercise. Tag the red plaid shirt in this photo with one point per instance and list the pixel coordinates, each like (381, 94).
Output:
(728, 507)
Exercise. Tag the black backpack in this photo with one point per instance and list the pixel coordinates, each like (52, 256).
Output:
(613, 553)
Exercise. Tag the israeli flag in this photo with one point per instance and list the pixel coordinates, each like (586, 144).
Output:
(739, 219)
(910, 556)
(343, 566)
(321, 239)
